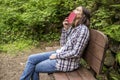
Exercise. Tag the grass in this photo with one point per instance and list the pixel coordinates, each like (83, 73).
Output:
(17, 46)
(24, 45)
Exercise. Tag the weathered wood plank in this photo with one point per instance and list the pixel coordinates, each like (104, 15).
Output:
(73, 75)
(60, 76)
(98, 37)
(85, 74)
(94, 54)
(96, 50)
(93, 62)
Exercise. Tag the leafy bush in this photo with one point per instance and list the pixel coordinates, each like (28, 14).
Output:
(38, 20)
(41, 20)
(113, 32)
(24, 19)
(118, 57)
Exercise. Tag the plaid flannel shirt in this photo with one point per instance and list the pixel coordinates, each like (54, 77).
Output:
(73, 42)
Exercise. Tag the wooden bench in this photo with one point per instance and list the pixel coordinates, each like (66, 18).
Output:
(93, 55)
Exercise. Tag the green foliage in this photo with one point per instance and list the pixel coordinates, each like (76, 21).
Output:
(116, 6)
(114, 75)
(102, 18)
(16, 46)
(114, 78)
(42, 20)
(24, 19)
(33, 19)
(118, 57)
(113, 31)
(107, 18)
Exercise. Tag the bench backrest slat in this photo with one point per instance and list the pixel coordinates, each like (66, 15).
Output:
(95, 51)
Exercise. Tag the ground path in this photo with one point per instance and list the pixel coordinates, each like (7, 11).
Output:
(11, 67)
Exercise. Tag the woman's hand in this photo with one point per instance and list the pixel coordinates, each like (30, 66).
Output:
(53, 56)
(66, 24)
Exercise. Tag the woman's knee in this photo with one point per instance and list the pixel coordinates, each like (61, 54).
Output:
(46, 66)
(41, 67)
(31, 57)
(38, 68)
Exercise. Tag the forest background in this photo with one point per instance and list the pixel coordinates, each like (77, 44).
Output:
(27, 23)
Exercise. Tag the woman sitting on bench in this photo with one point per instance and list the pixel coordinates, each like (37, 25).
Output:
(74, 38)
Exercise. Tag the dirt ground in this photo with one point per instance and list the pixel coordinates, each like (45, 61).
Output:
(11, 67)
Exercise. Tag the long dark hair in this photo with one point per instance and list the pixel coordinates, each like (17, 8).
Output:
(85, 17)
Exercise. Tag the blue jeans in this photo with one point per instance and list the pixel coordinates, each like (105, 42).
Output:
(38, 63)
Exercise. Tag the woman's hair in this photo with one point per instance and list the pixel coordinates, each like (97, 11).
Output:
(85, 17)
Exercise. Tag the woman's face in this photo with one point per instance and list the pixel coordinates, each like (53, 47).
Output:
(78, 11)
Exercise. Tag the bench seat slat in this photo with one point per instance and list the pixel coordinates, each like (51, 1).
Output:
(73, 75)
(85, 74)
(80, 74)
(60, 76)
